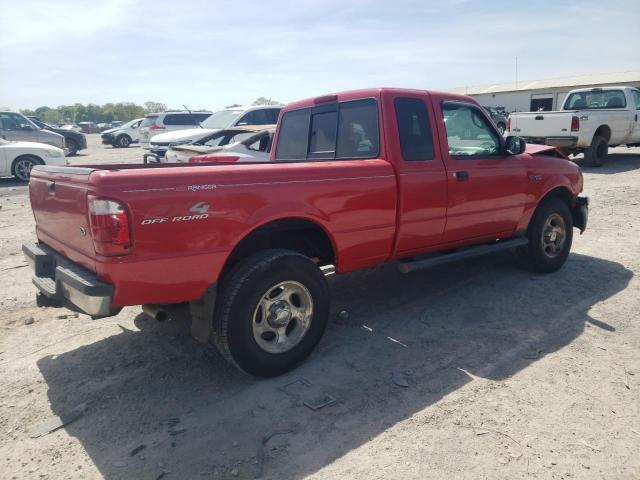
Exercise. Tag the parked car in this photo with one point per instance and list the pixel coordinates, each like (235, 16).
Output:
(354, 179)
(104, 126)
(124, 135)
(591, 121)
(15, 126)
(73, 141)
(229, 117)
(89, 127)
(236, 144)
(71, 126)
(498, 117)
(18, 158)
(117, 123)
(169, 121)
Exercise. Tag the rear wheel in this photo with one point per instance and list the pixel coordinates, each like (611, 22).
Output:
(21, 168)
(550, 236)
(595, 155)
(271, 311)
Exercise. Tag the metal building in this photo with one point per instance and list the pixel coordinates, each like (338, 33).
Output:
(531, 96)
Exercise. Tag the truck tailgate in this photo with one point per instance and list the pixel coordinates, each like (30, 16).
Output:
(541, 124)
(59, 203)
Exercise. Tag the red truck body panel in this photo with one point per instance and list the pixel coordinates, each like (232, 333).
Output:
(186, 219)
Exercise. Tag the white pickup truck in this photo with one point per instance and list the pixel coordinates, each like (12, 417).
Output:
(591, 121)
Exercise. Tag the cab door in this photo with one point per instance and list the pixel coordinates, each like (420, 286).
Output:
(486, 187)
(421, 176)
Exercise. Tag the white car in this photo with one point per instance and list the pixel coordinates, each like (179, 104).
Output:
(124, 135)
(591, 121)
(229, 117)
(238, 144)
(18, 158)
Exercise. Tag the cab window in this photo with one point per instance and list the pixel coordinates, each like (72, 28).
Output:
(469, 133)
(345, 130)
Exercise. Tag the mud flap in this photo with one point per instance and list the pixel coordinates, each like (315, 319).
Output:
(580, 213)
(202, 314)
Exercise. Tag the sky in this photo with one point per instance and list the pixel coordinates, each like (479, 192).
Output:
(209, 54)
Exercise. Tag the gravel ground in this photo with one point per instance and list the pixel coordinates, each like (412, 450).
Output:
(476, 370)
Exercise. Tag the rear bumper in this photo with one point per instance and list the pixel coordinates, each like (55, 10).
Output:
(561, 142)
(60, 279)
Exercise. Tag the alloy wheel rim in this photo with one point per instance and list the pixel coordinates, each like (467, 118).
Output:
(282, 317)
(554, 235)
(23, 169)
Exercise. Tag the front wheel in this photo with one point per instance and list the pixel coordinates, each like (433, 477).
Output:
(73, 147)
(550, 236)
(123, 141)
(22, 166)
(271, 311)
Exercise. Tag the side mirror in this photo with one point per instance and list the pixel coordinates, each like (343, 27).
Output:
(515, 145)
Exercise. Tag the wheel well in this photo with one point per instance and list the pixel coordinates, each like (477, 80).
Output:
(33, 157)
(299, 235)
(603, 131)
(559, 192)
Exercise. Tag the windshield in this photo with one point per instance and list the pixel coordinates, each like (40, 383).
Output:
(221, 119)
(129, 124)
(595, 99)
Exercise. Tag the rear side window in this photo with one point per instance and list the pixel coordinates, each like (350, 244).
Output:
(294, 135)
(196, 118)
(178, 119)
(148, 120)
(335, 131)
(272, 115)
(416, 137)
(636, 98)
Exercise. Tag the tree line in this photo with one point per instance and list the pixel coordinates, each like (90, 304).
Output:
(108, 112)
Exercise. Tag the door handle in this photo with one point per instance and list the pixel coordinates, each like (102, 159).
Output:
(461, 176)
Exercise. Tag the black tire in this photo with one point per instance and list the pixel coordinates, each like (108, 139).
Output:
(595, 155)
(537, 255)
(123, 141)
(72, 146)
(21, 167)
(240, 295)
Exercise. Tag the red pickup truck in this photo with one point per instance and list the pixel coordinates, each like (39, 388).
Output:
(353, 180)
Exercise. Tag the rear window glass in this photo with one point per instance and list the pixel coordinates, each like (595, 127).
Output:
(595, 99)
(340, 131)
(148, 120)
(416, 138)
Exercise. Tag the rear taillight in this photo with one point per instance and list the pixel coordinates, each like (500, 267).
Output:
(155, 126)
(109, 223)
(213, 159)
(575, 124)
(509, 124)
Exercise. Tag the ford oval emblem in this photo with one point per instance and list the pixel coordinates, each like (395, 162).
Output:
(83, 231)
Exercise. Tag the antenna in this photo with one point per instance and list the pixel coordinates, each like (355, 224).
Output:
(186, 108)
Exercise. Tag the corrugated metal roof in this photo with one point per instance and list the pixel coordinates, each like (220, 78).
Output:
(576, 81)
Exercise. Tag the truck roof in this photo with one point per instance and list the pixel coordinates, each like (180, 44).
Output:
(366, 93)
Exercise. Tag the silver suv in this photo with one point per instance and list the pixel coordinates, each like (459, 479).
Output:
(164, 122)
(16, 127)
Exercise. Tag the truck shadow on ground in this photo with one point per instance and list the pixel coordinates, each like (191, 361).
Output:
(8, 182)
(614, 163)
(156, 401)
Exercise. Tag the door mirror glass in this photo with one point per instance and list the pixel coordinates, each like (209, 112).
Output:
(515, 145)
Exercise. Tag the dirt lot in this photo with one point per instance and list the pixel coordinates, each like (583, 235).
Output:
(508, 374)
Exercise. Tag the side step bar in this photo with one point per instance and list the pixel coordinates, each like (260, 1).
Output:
(410, 266)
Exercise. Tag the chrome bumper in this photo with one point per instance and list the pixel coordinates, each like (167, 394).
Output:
(62, 280)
